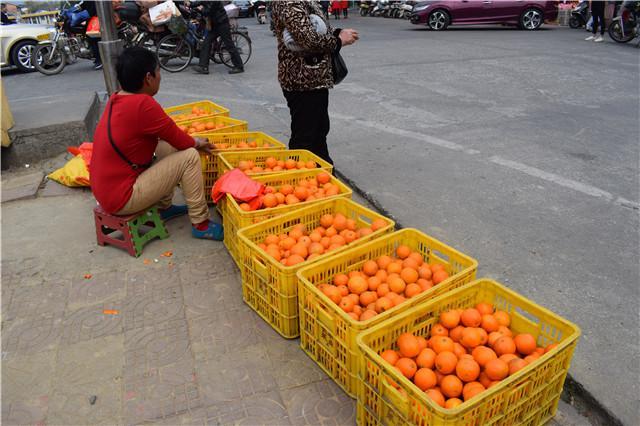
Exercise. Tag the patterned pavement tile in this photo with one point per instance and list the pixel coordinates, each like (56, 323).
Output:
(34, 301)
(203, 297)
(149, 349)
(223, 332)
(97, 361)
(101, 287)
(25, 270)
(92, 322)
(259, 409)
(165, 392)
(27, 377)
(71, 404)
(235, 375)
(321, 403)
(208, 268)
(31, 335)
(28, 412)
(155, 306)
(292, 367)
(151, 280)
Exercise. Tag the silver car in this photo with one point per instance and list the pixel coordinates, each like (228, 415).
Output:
(17, 42)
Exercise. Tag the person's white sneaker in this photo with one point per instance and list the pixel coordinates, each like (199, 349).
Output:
(589, 38)
(599, 39)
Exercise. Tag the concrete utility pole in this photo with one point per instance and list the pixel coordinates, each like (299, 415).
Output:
(110, 45)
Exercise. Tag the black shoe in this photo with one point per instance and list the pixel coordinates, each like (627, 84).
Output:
(201, 70)
(97, 67)
(236, 70)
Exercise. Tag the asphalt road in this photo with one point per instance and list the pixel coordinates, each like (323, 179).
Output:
(520, 149)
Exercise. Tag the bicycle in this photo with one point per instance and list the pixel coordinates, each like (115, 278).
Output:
(176, 50)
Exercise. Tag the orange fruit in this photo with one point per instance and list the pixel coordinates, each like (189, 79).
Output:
(439, 330)
(525, 343)
(452, 403)
(280, 197)
(286, 189)
(390, 356)
(485, 308)
(411, 264)
(439, 276)
(484, 379)
(403, 252)
(422, 342)
(332, 293)
(489, 323)
(368, 297)
(340, 222)
(451, 386)
(370, 268)
(383, 304)
(396, 284)
(290, 164)
(394, 268)
(442, 344)
(426, 358)
(374, 282)
(456, 333)
(503, 318)
(493, 337)
(516, 365)
(340, 279)
(436, 396)
(323, 177)
(467, 370)
(504, 345)
(301, 192)
(496, 369)
(445, 362)
(508, 357)
(368, 314)
(505, 331)
(539, 350)
(412, 290)
(344, 291)
(425, 272)
(357, 284)
(483, 355)
(471, 389)
(383, 262)
(459, 350)
(471, 337)
(425, 379)
(470, 317)
(531, 358)
(407, 367)
(449, 319)
(409, 275)
(346, 304)
(378, 224)
(310, 164)
(269, 200)
(383, 290)
(550, 347)
(245, 207)
(408, 345)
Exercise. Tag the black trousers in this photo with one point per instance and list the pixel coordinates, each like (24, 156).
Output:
(597, 11)
(93, 45)
(309, 121)
(224, 31)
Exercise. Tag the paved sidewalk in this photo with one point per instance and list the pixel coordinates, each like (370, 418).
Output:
(182, 349)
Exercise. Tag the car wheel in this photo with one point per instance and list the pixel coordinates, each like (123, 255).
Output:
(438, 20)
(21, 55)
(531, 19)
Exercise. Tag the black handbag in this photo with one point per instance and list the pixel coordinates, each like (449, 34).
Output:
(338, 67)
(133, 165)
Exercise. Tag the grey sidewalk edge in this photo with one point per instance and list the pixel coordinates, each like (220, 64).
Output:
(573, 393)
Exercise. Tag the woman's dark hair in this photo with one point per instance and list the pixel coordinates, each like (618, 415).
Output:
(133, 65)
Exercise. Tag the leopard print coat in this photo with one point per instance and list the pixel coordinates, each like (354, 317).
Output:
(311, 69)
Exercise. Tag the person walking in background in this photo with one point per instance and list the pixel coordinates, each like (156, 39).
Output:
(325, 7)
(90, 7)
(219, 22)
(597, 12)
(5, 16)
(305, 74)
(345, 9)
(336, 5)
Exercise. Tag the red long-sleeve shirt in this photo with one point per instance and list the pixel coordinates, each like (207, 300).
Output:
(137, 122)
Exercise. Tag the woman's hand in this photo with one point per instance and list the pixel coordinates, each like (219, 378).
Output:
(202, 144)
(348, 36)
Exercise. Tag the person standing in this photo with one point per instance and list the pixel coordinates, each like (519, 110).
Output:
(325, 7)
(336, 5)
(345, 9)
(306, 76)
(5, 16)
(90, 7)
(219, 22)
(597, 12)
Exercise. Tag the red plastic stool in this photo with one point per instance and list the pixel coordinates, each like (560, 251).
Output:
(132, 237)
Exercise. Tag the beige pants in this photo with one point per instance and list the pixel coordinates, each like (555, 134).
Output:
(156, 184)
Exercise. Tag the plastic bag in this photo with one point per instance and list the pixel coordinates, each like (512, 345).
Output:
(240, 186)
(162, 13)
(74, 173)
(93, 27)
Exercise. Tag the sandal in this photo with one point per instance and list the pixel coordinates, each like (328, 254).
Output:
(173, 211)
(214, 232)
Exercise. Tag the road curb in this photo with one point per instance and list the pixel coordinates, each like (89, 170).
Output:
(573, 392)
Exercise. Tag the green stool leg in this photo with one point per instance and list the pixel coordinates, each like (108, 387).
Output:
(150, 218)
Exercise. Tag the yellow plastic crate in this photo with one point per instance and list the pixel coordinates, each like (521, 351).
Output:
(211, 165)
(529, 397)
(223, 125)
(271, 288)
(328, 334)
(230, 160)
(235, 219)
(185, 110)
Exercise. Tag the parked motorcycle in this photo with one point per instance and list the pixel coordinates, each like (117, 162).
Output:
(261, 12)
(579, 15)
(365, 7)
(626, 26)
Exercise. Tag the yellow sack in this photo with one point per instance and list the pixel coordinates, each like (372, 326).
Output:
(74, 173)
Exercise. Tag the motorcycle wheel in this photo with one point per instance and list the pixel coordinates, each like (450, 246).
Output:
(574, 23)
(363, 12)
(243, 44)
(615, 32)
(174, 53)
(42, 62)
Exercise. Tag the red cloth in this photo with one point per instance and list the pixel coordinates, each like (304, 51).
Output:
(137, 122)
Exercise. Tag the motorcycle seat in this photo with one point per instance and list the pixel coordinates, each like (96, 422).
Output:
(78, 29)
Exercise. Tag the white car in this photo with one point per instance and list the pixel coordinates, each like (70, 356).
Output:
(17, 42)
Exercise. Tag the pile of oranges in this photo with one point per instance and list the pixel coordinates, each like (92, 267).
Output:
(468, 352)
(201, 127)
(242, 145)
(383, 283)
(305, 190)
(273, 165)
(333, 232)
(195, 113)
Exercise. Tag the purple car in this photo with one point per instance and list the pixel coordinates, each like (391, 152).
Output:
(528, 14)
